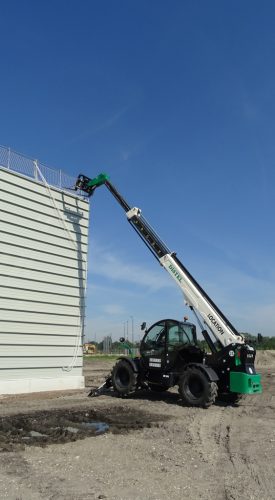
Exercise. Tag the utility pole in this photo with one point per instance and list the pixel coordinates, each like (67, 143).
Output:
(132, 318)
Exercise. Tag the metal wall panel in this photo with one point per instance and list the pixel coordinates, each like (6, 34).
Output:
(7, 249)
(27, 353)
(47, 328)
(38, 232)
(8, 294)
(27, 262)
(8, 305)
(31, 362)
(37, 318)
(22, 243)
(38, 191)
(42, 282)
(15, 374)
(54, 227)
(48, 277)
(39, 286)
(46, 306)
(50, 218)
(36, 339)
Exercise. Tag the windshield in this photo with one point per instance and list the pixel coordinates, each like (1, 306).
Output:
(180, 333)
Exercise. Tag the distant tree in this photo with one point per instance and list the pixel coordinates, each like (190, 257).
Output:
(259, 341)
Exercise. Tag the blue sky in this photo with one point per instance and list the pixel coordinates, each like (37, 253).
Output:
(176, 101)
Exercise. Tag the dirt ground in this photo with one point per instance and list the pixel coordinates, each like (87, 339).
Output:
(146, 447)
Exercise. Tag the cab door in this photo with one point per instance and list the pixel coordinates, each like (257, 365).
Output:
(180, 338)
(153, 347)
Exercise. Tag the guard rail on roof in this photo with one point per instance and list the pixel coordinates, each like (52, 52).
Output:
(30, 167)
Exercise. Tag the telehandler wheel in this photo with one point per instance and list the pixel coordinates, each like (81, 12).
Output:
(158, 388)
(196, 389)
(124, 379)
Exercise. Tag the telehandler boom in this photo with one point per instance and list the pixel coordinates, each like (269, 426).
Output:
(169, 351)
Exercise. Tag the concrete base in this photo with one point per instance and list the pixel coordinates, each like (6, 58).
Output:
(27, 385)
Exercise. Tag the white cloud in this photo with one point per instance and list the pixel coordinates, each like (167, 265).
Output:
(257, 318)
(112, 119)
(113, 267)
(114, 309)
(95, 289)
(248, 301)
(125, 155)
(104, 125)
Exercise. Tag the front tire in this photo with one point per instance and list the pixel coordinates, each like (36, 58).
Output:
(196, 389)
(124, 379)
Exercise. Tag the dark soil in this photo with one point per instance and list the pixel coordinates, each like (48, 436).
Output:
(62, 426)
(155, 448)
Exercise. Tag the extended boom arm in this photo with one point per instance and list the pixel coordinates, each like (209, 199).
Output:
(196, 298)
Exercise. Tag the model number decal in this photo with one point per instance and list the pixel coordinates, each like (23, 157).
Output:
(215, 323)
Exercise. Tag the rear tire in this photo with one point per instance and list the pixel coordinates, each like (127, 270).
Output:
(124, 379)
(196, 389)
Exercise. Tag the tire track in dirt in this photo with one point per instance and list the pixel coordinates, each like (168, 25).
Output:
(252, 455)
(208, 438)
(233, 467)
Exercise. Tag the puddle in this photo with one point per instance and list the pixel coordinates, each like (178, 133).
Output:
(98, 427)
(61, 426)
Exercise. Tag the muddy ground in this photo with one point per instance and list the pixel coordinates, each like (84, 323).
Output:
(145, 447)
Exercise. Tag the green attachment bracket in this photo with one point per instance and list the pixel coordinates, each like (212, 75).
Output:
(98, 181)
(127, 346)
(244, 383)
(88, 185)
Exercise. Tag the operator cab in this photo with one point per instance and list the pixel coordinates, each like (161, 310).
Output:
(166, 343)
(168, 333)
(165, 347)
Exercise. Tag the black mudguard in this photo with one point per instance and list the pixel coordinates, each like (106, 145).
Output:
(134, 362)
(209, 372)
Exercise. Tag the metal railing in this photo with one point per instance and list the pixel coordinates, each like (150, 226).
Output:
(31, 168)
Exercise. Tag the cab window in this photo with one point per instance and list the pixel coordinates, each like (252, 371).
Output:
(179, 334)
(155, 336)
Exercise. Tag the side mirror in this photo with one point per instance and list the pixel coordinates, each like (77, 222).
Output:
(143, 326)
(122, 339)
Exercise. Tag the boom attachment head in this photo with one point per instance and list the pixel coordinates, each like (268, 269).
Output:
(88, 185)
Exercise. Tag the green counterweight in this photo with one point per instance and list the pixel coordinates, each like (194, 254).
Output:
(245, 383)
